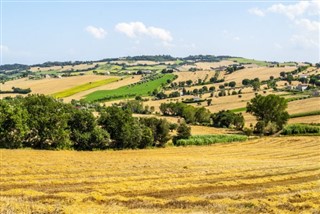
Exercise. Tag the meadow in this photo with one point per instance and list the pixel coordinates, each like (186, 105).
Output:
(84, 87)
(264, 175)
(142, 89)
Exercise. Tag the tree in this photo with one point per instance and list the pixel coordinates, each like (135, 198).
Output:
(183, 132)
(232, 84)
(189, 82)
(85, 133)
(255, 85)
(48, 122)
(13, 125)
(269, 109)
(209, 101)
(202, 115)
(245, 82)
(228, 119)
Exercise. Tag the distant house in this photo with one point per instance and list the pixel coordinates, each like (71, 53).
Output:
(302, 87)
(303, 76)
(196, 99)
(316, 93)
(147, 72)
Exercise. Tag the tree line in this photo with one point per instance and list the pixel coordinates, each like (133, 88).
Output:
(42, 122)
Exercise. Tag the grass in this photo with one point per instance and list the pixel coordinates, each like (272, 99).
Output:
(84, 87)
(265, 175)
(210, 139)
(250, 61)
(142, 89)
(238, 110)
(304, 114)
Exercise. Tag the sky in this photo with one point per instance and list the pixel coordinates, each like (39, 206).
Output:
(40, 31)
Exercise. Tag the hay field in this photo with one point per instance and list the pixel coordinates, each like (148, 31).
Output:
(194, 76)
(307, 105)
(307, 119)
(263, 73)
(53, 85)
(209, 65)
(267, 175)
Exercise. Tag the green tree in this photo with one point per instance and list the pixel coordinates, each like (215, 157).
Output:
(269, 109)
(13, 125)
(48, 122)
(183, 132)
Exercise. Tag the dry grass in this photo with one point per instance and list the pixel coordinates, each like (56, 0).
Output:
(53, 85)
(209, 65)
(299, 106)
(194, 76)
(64, 68)
(263, 73)
(267, 175)
(307, 119)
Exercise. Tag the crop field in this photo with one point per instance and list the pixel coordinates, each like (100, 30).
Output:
(263, 73)
(140, 89)
(266, 175)
(52, 85)
(250, 61)
(84, 87)
(113, 85)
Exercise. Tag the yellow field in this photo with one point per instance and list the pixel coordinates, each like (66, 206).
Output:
(53, 85)
(307, 105)
(263, 73)
(194, 76)
(64, 68)
(268, 175)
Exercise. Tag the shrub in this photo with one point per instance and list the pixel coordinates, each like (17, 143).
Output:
(301, 129)
(210, 139)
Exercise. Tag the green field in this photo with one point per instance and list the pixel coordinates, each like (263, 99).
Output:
(130, 91)
(84, 87)
(304, 114)
(250, 61)
(237, 110)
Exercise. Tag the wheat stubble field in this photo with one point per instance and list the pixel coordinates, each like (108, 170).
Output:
(267, 175)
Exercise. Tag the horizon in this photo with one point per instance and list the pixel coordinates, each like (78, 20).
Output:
(35, 32)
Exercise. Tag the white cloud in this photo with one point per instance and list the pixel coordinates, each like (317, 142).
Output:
(292, 10)
(304, 41)
(308, 24)
(256, 11)
(135, 29)
(97, 32)
(4, 48)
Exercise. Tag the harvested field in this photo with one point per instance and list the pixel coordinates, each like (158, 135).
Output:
(263, 73)
(307, 119)
(53, 85)
(215, 65)
(306, 105)
(64, 68)
(266, 175)
(194, 76)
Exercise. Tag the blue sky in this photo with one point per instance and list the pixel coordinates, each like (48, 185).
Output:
(36, 32)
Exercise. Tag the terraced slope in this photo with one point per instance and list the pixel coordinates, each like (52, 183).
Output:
(267, 175)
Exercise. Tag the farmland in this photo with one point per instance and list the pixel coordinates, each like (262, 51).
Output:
(140, 89)
(84, 87)
(267, 175)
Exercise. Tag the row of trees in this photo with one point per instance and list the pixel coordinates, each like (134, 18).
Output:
(42, 122)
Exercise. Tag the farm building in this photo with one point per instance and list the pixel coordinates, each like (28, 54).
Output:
(302, 87)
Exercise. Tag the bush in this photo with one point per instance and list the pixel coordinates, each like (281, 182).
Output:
(210, 139)
(296, 129)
